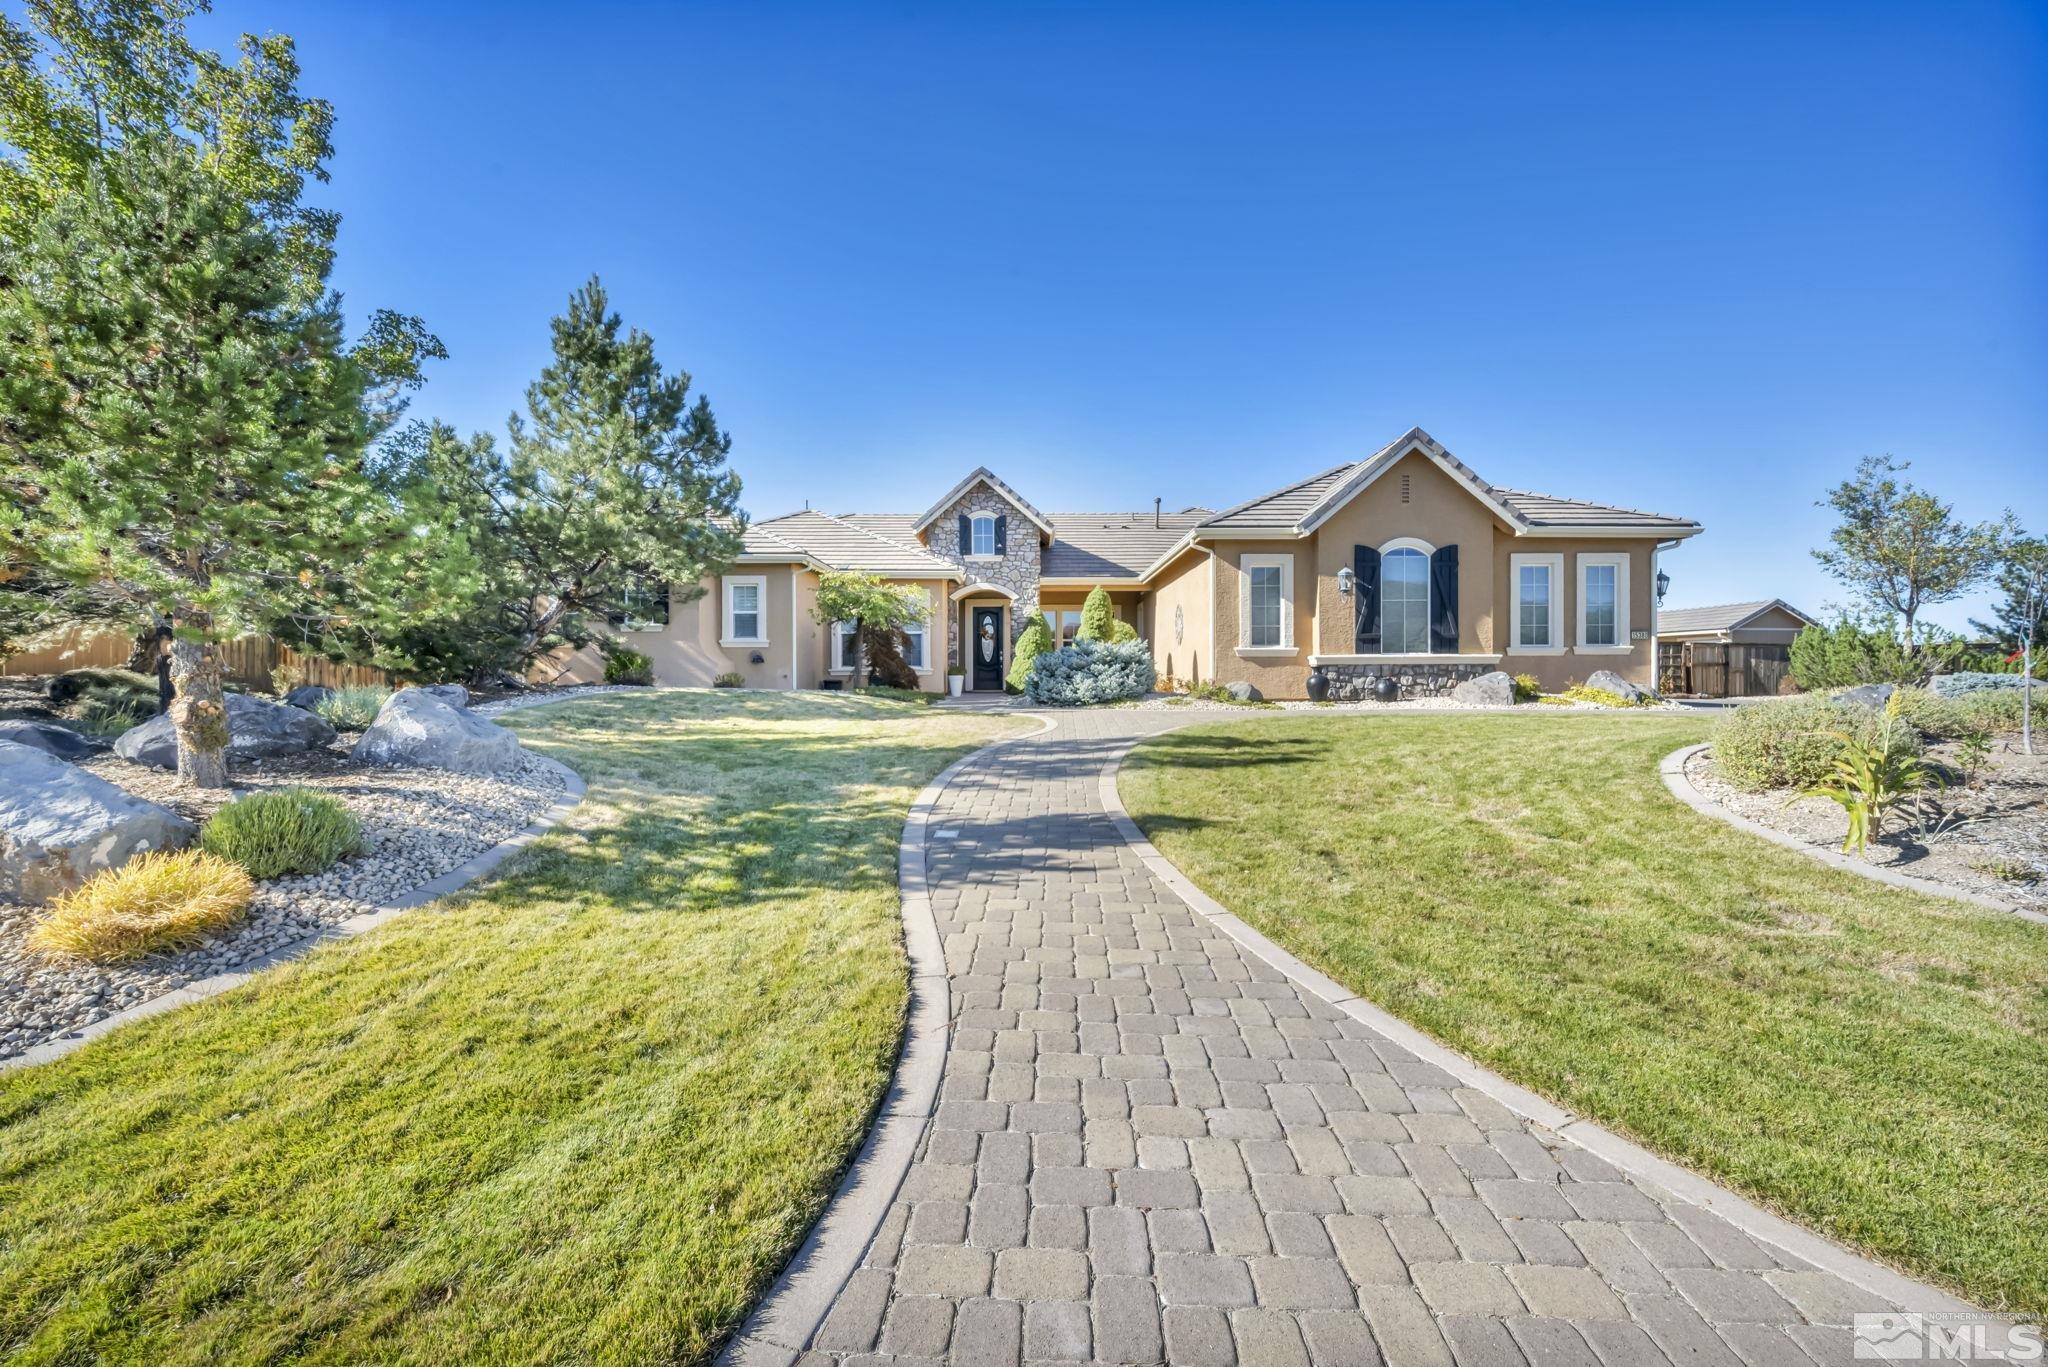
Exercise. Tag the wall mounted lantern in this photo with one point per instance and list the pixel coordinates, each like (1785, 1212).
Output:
(1344, 581)
(1663, 586)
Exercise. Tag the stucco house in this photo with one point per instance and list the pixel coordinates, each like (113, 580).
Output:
(1405, 563)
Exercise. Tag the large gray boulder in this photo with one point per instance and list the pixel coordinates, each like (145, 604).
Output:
(1610, 682)
(308, 696)
(60, 825)
(1866, 695)
(60, 742)
(1240, 691)
(415, 727)
(1488, 690)
(256, 730)
(455, 695)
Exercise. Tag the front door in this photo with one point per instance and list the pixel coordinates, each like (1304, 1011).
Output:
(985, 642)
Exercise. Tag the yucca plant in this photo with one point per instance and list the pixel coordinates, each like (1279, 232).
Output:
(1872, 776)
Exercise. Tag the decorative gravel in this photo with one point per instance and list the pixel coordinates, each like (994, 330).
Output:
(1992, 838)
(417, 825)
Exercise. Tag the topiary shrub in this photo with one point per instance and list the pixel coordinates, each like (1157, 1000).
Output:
(1036, 641)
(1098, 616)
(352, 709)
(625, 665)
(732, 678)
(285, 832)
(1089, 672)
(159, 901)
(1786, 743)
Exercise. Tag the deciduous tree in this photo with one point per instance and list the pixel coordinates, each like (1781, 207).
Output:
(878, 610)
(1899, 548)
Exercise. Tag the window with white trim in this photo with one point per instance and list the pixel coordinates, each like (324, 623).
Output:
(1266, 620)
(982, 538)
(746, 610)
(914, 647)
(843, 652)
(1065, 625)
(1404, 602)
(1603, 602)
(1536, 583)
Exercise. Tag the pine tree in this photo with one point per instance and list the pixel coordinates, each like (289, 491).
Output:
(181, 418)
(614, 475)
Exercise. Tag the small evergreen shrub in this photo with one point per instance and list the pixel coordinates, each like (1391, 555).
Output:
(732, 678)
(625, 665)
(352, 709)
(1121, 631)
(1036, 641)
(1986, 711)
(1526, 688)
(1089, 672)
(1098, 616)
(1847, 654)
(1958, 685)
(164, 900)
(1790, 742)
(286, 832)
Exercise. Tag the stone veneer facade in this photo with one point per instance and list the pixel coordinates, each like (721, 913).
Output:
(1017, 570)
(1354, 683)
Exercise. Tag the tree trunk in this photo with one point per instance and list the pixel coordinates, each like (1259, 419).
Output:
(199, 712)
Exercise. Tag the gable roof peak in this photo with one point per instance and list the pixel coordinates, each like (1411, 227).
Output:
(982, 474)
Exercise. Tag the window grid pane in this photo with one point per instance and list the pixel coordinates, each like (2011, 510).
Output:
(913, 652)
(984, 536)
(746, 611)
(1265, 605)
(1600, 615)
(1534, 601)
(1404, 603)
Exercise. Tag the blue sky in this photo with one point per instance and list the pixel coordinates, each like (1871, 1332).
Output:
(1697, 260)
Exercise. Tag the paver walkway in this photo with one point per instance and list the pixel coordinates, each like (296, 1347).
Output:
(1152, 1146)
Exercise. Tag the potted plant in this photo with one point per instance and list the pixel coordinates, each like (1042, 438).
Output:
(956, 679)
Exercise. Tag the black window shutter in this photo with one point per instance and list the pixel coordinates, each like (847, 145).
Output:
(1443, 594)
(1365, 567)
(966, 535)
(1002, 533)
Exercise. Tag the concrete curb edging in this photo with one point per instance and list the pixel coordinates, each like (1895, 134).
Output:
(785, 1319)
(1672, 769)
(468, 871)
(1634, 1160)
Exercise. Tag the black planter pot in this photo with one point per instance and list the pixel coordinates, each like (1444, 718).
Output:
(1387, 690)
(1318, 686)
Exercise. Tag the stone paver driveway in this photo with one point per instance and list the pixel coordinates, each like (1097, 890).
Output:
(1151, 1146)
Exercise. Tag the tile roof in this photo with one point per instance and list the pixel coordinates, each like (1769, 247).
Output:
(1283, 507)
(1720, 617)
(846, 545)
(1113, 545)
(1545, 510)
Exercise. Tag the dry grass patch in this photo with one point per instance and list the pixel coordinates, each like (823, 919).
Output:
(159, 901)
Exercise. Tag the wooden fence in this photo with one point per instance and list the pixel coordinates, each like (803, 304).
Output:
(247, 661)
(1721, 669)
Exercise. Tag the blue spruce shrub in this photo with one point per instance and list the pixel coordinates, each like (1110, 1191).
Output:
(1091, 672)
(1957, 685)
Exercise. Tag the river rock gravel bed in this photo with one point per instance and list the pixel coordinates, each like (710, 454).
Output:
(417, 825)
(1991, 837)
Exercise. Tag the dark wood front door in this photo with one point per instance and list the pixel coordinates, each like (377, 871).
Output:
(985, 643)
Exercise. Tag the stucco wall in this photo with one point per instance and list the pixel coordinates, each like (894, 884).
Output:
(1273, 675)
(1573, 664)
(1440, 512)
(939, 625)
(686, 652)
(1181, 594)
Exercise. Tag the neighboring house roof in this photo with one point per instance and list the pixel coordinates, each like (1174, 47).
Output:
(845, 545)
(982, 472)
(1113, 545)
(1720, 617)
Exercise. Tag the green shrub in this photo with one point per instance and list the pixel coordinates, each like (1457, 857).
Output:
(732, 678)
(286, 832)
(1847, 653)
(1526, 688)
(352, 709)
(1089, 672)
(625, 665)
(1988, 712)
(1036, 641)
(1098, 616)
(1789, 742)
(1873, 774)
(1121, 631)
(111, 711)
(1600, 697)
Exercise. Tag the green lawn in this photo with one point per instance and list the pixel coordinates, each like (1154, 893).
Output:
(1869, 1061)
(582, 1114)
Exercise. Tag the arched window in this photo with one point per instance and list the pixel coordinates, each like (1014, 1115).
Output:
(1404, 601)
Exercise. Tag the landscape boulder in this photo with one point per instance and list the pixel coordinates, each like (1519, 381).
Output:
(256, 730)
(1241, 691)
(415, 727)
(1866, 695)
(1488, 690)
(60, 825)
(308, 696)
(455, 695)
(1607, 681)
(59, 742)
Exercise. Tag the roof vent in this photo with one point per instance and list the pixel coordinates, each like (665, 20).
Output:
(1404, 488)
(1157, 504)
